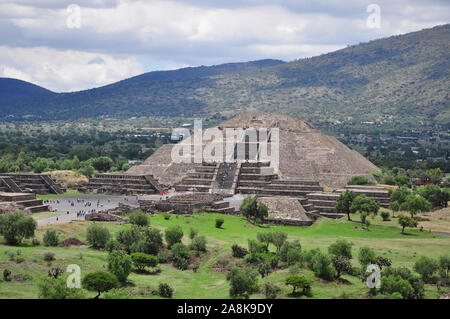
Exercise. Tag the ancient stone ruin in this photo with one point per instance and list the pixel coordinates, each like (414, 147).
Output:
(29, 183)
(10, 202)
(292, 185)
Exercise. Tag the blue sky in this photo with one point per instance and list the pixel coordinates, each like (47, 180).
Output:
(96, 42)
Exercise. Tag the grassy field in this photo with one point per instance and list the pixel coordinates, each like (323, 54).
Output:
(208, 282)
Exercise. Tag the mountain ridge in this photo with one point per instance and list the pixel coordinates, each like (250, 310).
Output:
(403, 77)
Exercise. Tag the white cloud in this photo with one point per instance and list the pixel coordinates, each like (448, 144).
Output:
(65, 70)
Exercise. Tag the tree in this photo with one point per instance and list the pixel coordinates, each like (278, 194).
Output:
(252, 210)
(406, 221)
(402, 180)
(165, 291)
(366, 256)
(426, 267)
(102, 164)
(395, 284)
(75, 163)
(51, 288)
(173, 235)
(238, 251)
(291, 252)
(265, 238)
(341, 248)
(198, 243)
(359, 180)
(99, 282)
(361, 203)
(261, 213)
(139, 218)
(270, 290)
(435, 195)
(50, 238)
(180, 256)
(344, 203)
(398, 196)
(97, 236)
(264, 268)
(341, 264)
(142, 260)
(243, 282)
(383, 262)
(322, 267)
(299, 282)
(415, 204)
(16, 226)
(278, 239)
(119, 264)
(435, 175)
(444, 265)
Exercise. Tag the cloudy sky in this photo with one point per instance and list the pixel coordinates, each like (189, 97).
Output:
(79, 44)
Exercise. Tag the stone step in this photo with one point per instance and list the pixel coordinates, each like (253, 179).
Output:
(187, 188)
(220, 204)
(249, 176)
(306, 188)
(205, 169)
(38, 209)
(200, 175)
(15, 197)
(323, 196)
(324, 209)
(30, 202)
(308, 207)
(224, 210)
(296, 182)
(253, 183)
(368, 193)
(256, 164)
(271, 192)
(319, 202)
(250, 170)
(331, 215)
(196, 181)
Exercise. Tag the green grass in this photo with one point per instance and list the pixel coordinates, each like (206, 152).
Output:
(208, 283)
(68, 193)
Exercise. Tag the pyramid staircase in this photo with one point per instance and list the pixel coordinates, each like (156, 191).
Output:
(378, 193)
(199, 181)
(27, 182)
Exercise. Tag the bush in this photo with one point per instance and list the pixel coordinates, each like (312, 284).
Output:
(299, 282)
(50, 238)
(97, 236)
(198, 243)
(139, 218)
(173, 235)
(119, 264)
(426, 267)
(395, 284)
(342, 265)
(271, 291)
(142, 260)
(51, 288)
(162, 257)
(180, 256)
(16, 226)
(366, 256)
(278, 239)
(402, 180)
(238, 251)
(49, 256)
(150, 241)
(291, 252)
(364, 217)
(385, 215)
(341, 248)
(99, 282)
(128, 237)
(406, 274)
(361, 203)
(166, 216)
(193, 233)
(435, 195)
(165, 291)
(322, 267)
(7, 275)
(243, 282)
(359, 180)
(219, 222)
(111, 245)
(256, 247)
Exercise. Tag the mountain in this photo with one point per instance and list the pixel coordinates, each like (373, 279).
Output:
(402, 78)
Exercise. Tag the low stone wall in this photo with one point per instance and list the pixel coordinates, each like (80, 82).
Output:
(104, 217)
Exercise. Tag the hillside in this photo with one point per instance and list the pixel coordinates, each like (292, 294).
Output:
(402, 78)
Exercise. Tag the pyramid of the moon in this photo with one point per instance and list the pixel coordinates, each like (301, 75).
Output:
(305, 153)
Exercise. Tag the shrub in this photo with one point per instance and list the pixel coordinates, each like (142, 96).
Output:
(278, 238)
(50, 238)
(238, 251)
(395, 284)
(290, 252)
(49, 256)
(321, 265)
(366, 256)
(111, 245)
(16, 226)
(219, 222)
(265, 238)
(7, 275)
(99, 282)
(270, 290)
(402, 180)
(426, 267)
(165, 291)
(198, 243)
(364, 217)
(150, 241)
(406, 274)
(142, 260)
(299, 282)
(264, 268)
(173, 235)
(243, 282)
(139, 218)
(341, 248)
(359, 180)
(383, 262)
(166, 216)
(119, 264)
(50, 288)
(97, 236)
(128, 237)
(256, 247)
(435, 195)
(342, 265)
(361, 203)
(193, 233)
(162, 257)
(180, 256)
(444, 265)
(385, 215)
